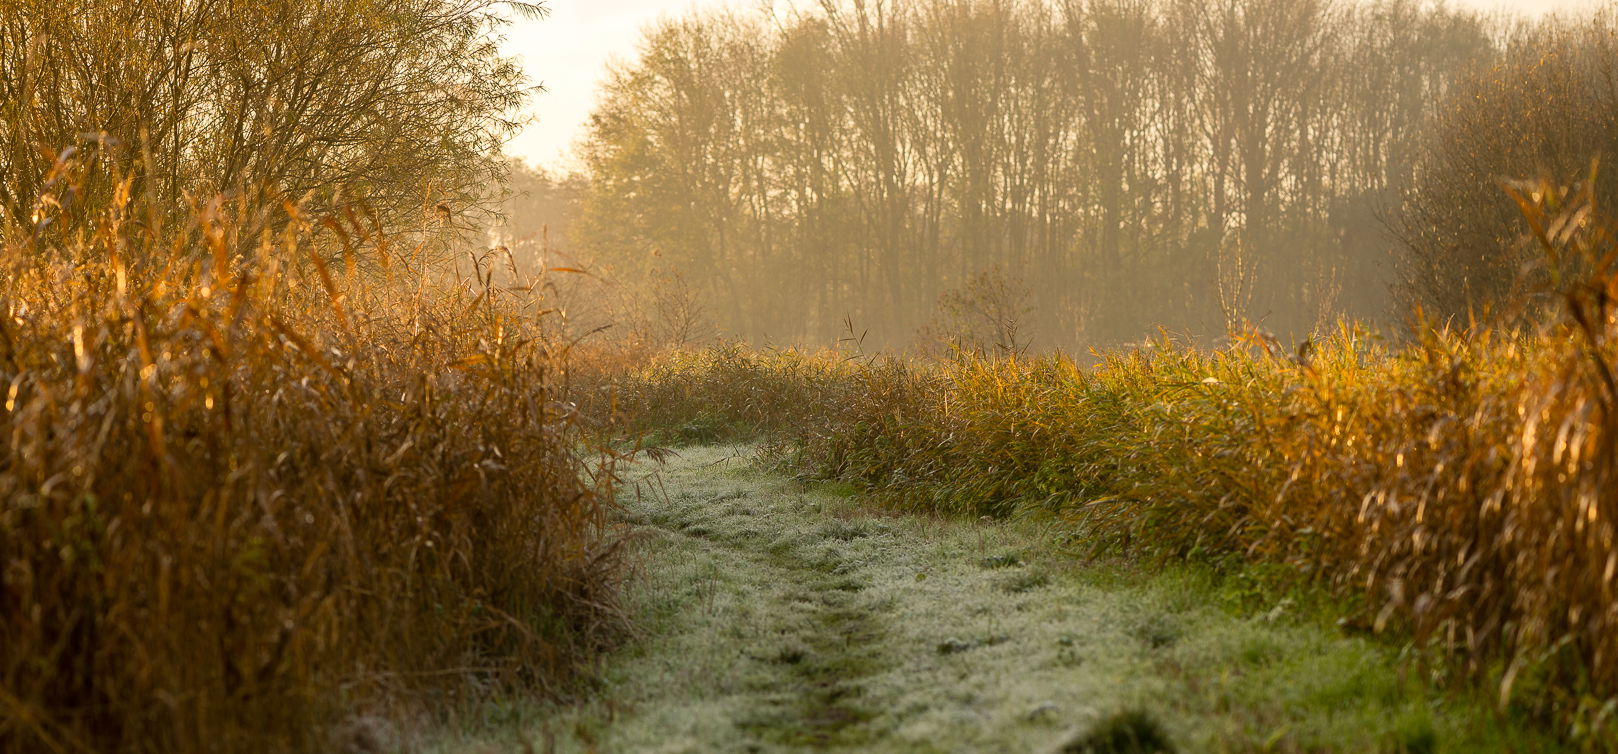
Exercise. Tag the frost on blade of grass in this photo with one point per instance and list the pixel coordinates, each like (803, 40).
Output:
(775, 632)
(1128, 732)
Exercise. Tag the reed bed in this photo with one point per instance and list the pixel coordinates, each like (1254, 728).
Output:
(1460, 489)
(266, 476)
(721, 393)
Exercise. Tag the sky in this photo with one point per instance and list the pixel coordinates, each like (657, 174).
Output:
(568, 52)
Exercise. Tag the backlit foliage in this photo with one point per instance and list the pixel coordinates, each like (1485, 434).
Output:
(270, 470)
(247, 493)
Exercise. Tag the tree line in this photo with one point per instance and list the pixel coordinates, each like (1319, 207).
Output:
(1113, 164)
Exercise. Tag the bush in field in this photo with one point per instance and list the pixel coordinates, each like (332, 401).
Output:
(989, 313)
(249, 486)
(1545, 108)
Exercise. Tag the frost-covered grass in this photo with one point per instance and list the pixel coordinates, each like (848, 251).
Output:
(776, 616)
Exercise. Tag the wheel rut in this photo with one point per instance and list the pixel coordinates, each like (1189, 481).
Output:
(822, 641)
(777, 617)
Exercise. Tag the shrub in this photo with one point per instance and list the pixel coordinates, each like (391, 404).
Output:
(1546, 107)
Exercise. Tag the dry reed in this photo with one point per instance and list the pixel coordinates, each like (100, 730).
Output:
(255, 482)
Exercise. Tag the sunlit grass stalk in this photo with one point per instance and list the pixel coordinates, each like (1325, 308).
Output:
(249, 491)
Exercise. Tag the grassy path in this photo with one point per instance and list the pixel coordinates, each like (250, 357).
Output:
(775, 617)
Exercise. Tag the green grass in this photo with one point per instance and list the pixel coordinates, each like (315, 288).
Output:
(779, 616)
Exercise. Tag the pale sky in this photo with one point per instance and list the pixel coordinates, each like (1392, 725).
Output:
(568, 52)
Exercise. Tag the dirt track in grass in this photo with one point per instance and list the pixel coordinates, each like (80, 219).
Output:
(776, 616)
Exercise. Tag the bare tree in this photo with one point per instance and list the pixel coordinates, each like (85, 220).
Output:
(860, 158)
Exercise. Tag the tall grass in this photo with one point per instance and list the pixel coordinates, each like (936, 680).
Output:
(720, 393)
(254, 484)
(1462, 488)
